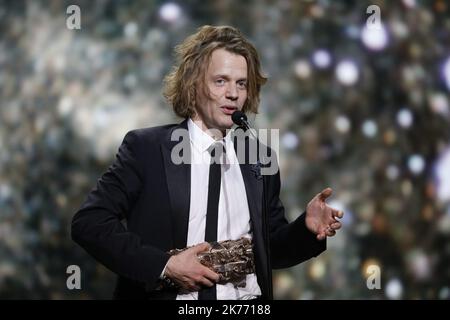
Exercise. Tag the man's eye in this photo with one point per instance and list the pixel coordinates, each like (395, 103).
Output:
(242, 84)
(220, 81)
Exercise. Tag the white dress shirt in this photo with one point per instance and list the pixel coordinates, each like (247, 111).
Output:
(234, 216)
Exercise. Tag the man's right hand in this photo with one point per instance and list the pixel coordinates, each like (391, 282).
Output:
(185, 269)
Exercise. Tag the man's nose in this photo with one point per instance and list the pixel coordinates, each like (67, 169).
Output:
(232, 92)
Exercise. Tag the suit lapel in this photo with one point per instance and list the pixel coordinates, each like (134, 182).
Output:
(179, 185)
(253, 188)
(178, 178)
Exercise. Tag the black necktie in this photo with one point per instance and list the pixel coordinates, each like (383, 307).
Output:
(212, 211)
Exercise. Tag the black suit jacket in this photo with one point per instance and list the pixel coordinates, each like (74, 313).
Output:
(140, 209)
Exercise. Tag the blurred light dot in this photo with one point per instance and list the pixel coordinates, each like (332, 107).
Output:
(321, 58)
(130, 81)
(7, 269)
(347, 72)
(446, 72)
(406, 188)
(416, 97)
(440, 6)
(59, 62)
(65, 106)
(367, 264)
(415, 50)
(374, 38)
(290, 140)
(5, 191)
(439, 103)
(427, 211)
(392, 172)
(419, 264)
(409, 3)
(394, 289)
(285, 87)
(362, 229)
(389, 137)
(284, 282)
(302, 69)
(366, 212)
(444, 293)
(101, 117)
(41, 124)
(442, 176)
(131, 29)
(317, 11)
(369, 128)
(342, 124)
(408, 75)
(416, 163)
(306, 295)
(399, 29)
(444, 222)
(61, 199)
(170, 12)
(296, 40)
(404, 118)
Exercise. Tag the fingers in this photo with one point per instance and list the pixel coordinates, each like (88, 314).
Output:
(208, 273)
(325, 193)
(185, 269)
(329, 231)
(321, 236)
(204, 278)
(336, 226)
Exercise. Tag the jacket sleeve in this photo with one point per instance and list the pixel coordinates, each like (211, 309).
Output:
(290, 243)
(97, 225)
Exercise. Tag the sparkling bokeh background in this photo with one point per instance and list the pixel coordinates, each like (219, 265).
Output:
(362, 110)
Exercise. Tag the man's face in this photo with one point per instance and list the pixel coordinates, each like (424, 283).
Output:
(226, 81)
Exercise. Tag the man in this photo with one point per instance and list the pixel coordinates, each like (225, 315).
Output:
(167, 204)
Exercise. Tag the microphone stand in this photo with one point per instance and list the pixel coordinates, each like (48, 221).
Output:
(265, 219)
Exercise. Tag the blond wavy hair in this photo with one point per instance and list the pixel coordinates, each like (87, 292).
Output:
(193, 57)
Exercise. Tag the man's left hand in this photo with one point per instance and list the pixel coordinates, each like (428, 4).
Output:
(321, 219)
